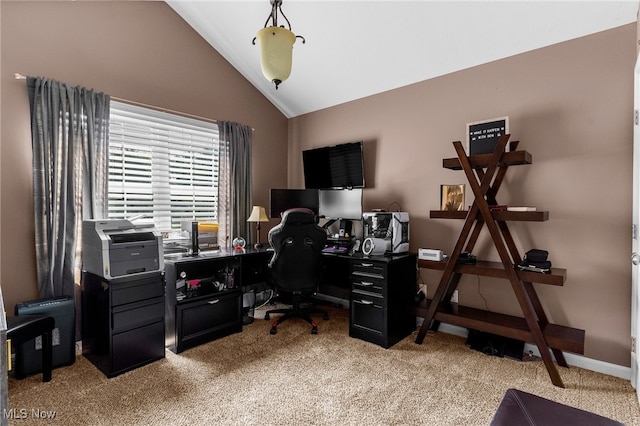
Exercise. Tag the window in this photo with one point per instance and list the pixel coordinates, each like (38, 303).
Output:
(163, 166)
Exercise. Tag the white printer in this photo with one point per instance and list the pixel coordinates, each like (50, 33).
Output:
(113, 248)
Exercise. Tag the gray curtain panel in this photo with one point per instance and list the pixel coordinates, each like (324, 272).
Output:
(69, 131)
(235, 182)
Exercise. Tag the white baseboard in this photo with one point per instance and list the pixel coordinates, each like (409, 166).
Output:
(572, 359)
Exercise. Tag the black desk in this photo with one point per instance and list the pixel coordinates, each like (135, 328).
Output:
(381, 310)
(335, 281)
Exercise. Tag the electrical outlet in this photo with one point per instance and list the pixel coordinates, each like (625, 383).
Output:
(454, 296)
(423, 288)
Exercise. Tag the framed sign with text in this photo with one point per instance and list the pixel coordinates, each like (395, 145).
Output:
(482, 136)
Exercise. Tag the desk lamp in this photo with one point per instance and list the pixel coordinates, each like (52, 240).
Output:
(258, 214)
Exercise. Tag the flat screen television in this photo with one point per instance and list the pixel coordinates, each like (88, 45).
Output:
(336, 166)
(281, 200)
(340, 203)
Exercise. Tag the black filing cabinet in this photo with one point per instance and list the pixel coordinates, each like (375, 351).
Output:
(382, 295)
(205, 318)
(122, 321)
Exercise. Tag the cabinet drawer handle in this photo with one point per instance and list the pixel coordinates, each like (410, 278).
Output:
(366, 283)
(367, 265)
(213, 302)
(366, 302)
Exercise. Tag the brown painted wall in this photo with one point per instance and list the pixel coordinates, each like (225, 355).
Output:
(570, 105)
(139, 51)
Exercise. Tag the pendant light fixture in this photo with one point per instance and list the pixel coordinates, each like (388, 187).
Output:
(276, 46)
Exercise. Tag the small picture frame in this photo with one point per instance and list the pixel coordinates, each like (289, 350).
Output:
(482, 136)
(452, 197)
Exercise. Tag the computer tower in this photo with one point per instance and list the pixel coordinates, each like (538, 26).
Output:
(29, 354)
(392, 227)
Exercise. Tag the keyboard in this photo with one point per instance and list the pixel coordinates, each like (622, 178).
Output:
(334, 249)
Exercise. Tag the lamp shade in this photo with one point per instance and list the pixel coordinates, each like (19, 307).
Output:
(258, 214)
(276, 51)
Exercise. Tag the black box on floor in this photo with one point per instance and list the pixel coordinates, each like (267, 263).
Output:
(29, 354)
(492, 344)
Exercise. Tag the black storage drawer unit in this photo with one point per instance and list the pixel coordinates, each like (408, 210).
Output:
(368, 267)
(133, 290)
(382, 295)
(193, 317)
(211, 317)
(137, 314)
(122, 321)
(368, 282)
(368, 313)
(137, 347)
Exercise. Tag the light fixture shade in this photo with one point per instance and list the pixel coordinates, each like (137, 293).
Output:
(276, 51)
(258, 214)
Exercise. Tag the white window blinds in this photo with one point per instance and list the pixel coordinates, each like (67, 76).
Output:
(161, 165)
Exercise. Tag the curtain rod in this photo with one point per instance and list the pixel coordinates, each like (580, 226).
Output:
(169, 111)
(126, 101)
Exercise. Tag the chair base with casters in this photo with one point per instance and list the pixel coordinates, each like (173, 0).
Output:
(23, 328)
(296, 311)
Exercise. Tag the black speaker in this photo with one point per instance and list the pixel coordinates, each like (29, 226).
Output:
(195, 246)
(28, 354)
(345, 228)
(492, 344)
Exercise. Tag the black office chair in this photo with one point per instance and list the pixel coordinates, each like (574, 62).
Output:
(296, 266)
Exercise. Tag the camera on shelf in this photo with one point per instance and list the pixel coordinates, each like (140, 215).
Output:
(466, 258)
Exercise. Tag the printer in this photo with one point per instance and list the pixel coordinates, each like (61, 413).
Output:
(113, 248)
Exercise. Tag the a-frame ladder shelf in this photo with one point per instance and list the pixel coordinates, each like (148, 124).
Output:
(485, 174)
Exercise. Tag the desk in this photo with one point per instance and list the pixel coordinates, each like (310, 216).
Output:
(381, 312)
(335, 281)
(204, 313)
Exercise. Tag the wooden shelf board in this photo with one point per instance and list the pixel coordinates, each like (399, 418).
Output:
(482, 161)
(537, 216)
(496, 270)
(557, 336)
(446, 214)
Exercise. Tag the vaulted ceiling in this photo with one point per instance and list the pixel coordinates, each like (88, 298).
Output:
(359, 48)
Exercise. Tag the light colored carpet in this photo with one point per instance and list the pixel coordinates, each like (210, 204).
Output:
(295, 378)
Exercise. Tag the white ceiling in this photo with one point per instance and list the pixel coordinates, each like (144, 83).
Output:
(359, 48)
